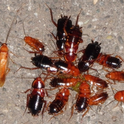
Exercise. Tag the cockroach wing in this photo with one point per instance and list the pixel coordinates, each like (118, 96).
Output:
(3, 63)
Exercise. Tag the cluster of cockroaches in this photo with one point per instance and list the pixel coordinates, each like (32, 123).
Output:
(66, 75)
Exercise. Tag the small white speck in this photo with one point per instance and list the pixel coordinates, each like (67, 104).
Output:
(80, 23)
(63, 94)
(122, 105)
(95, 19)
(5, 111)
(121, 47)
(36, 14)
(8, 7)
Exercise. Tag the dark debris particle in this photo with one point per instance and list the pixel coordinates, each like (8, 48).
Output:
(2, 114)
(23, 107)
(18, 96)
(122, 1)
(89, 26)
(104, 28)
(108, 16)
(4, 89)
(100, 122)
(94, 31)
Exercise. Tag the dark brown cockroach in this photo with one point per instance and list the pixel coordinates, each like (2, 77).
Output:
(35, 99)
(61, 37)
(90, 55)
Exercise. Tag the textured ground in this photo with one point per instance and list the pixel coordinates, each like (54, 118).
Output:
(104, 20)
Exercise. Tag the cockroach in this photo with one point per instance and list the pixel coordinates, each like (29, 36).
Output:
(35, 99)
(4, 56)
(116, 75)
(98, 98)
(60, 101)
(61, 37)
(43, 62)
(83, 94)
(34, 43)
(119, 96)
(90, 55)
(109, 61)
(63, 82)
(60, 26)
(73, 39)
(96, 81)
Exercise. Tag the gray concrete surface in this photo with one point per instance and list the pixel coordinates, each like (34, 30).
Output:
(104, 20)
